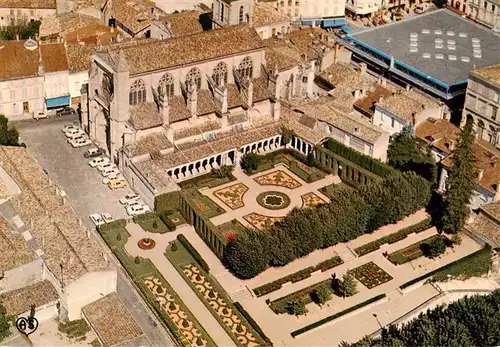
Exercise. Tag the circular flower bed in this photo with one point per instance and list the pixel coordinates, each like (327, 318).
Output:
(273, 200)
(146, 243)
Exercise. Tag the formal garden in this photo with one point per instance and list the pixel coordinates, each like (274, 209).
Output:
(232, 196)
(370, 275)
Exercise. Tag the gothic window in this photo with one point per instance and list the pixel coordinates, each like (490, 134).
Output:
(166, 85)
(107, 86)
(219, 74)
(242, 16)
(194, 76)
(137, 92)
(221, 12)
(246, 67)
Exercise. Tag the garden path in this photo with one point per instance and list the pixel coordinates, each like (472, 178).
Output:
(254, 189)
(183, 290)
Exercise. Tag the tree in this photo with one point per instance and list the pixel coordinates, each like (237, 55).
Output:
(350, 285)
(25, 31)
(456, 239)
(286, 135)
(250, 162)
(460, 183)
(248, 254)
(223, 172)
(8, 136)
(296, 307)
(408, 153)
(321, 295)
(434, 248)
(4, 323)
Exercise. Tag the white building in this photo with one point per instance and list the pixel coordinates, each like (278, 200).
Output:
(16, 12)
(324, 13)
(367, 7)
(55, 72)
(486, 12)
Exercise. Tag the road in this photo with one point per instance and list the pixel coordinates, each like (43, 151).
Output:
(86, 194)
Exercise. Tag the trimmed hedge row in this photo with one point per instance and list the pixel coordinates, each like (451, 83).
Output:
(297, 276)
(194, 253)
(252, 322)
(486, 252)
(365, 161)
(144, 217)
(167, 201)
(113, 225)
(336, 315)
(305, 295)
(168, 223)
(395, 237)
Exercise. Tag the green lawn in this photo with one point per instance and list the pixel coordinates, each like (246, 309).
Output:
(409, 253)
(148, 225)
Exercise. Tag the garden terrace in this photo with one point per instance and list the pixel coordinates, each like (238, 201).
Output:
(155, 289)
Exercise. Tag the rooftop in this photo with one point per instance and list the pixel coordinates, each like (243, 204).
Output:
(454, 44)
(20, 300)
(493, 209)
(144, 115)
(151, 55)
(487, 222)
(133, 14)
(490, 74)
(14, 250)
(183, 23)
(405, 104)
(266, 14)
(53, 224)
(111, 321)
(65, 22)
(438, 133)
(54, 57)
(79, 56)
(366, 105)
(150, 143)
(17, 61)
(346, 75)
(34, 4)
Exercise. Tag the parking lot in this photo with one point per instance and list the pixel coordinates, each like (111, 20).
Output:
(68, 168)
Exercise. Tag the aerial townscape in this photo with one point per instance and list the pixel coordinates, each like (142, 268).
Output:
(244, 173)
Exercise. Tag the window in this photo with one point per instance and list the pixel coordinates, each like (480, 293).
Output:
(221, 12)
(35, 90)
(471, 101)
(32, 13)
(166, 85)
(137, 92)
(274, 32)
(246, 67)
(242, 16)
(392, 122)
(481, 106)
(219, 75)
(296, 12)
(289, 12)
(12, 94)
(25, 92)
(194, 76)
(494, 111)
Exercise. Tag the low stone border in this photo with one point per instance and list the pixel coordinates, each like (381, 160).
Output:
(273, 200)
(146, 244)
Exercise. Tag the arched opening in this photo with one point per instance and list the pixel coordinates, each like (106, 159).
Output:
(242, 16)
(166, 85)
(194, 76)
(246, 67)
(137, 92)
(219, 75)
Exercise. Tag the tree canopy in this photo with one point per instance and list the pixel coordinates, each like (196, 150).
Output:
(408, 153)
(471, 321)
(4, 323)
(8, 136)
(460, 183)
(25, 31)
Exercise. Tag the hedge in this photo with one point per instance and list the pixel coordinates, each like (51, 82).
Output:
(297, 276)
(279, 305)
(252, 322)
(486, 251)
(167, 201)
(194, 253)
(113, 225)
(166, 220)
(144, 217)
(336, 315)
(365, 161)
(395, 237)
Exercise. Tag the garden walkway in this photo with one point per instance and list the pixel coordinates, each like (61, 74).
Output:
(183, 290)
(254, 189)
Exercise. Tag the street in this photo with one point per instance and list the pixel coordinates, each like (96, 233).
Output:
(86, 193)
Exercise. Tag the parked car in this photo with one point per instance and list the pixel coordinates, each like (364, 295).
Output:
(74, 133)
(137, 209)
(65, 111)
(81, 143)
(98, 161)
(79, 136)
(129, 198)
(110, 171)
(117, 183)
(97, 219)
(40, 114)
(421, 8)
(113, 176)
(107, 217)
(103, 166)
(94, 152)
(70, 126)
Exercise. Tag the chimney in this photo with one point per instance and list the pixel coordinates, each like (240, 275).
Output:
(362, 68)
(408, 88)
(357, 94)
(17, 37)
(192, 98)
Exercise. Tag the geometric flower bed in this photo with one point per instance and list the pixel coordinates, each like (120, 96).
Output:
(278, 178)
(409, 253)
(146, 243)
(174, 311)
(232, 196)
(273, 200)
(259, 221)
(233, 320)
(370, 275)
(311, 200)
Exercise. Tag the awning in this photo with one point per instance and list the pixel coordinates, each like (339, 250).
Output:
(345, 28)
(307, 22)
(56, 102)
(337, 22)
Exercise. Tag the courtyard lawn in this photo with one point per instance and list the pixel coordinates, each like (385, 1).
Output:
(213, 296)
(409, 253)
(232, 229)
(155, 290)
(149, 224)
(203, 205)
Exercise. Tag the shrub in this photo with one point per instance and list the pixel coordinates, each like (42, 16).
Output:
(194, 253)
(144, 217)
(166, 220)
(167, 202)
(296, 307)
(155, 224)
(112, 225)
(137, 260)
(173, 247)
(434, 247)
(321, 295)
(250, 162)
(119, 237)
(223, 172)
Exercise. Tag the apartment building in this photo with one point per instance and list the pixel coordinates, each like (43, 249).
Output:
(368, 7)
(486, 12)
(324, 13)
(15, 12)
(482, 103)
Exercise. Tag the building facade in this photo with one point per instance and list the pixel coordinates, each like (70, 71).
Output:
(482, 103)
(486, 12)
(17, 12)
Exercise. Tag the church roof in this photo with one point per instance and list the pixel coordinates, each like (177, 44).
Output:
(156, 55)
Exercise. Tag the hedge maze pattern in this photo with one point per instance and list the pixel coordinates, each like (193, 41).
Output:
(278, 178)
(232, 196)
(259, 221)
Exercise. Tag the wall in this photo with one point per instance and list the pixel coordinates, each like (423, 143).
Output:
(43, 313)
(88, 288)
(14, 93)
(323, 8)
(23, 15)
(266, 31)
(22, 276)
(139, 183)
(75, 82)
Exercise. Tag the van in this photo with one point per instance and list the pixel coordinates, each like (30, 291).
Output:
(40, 114)
(116, 183)
(421, 8)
